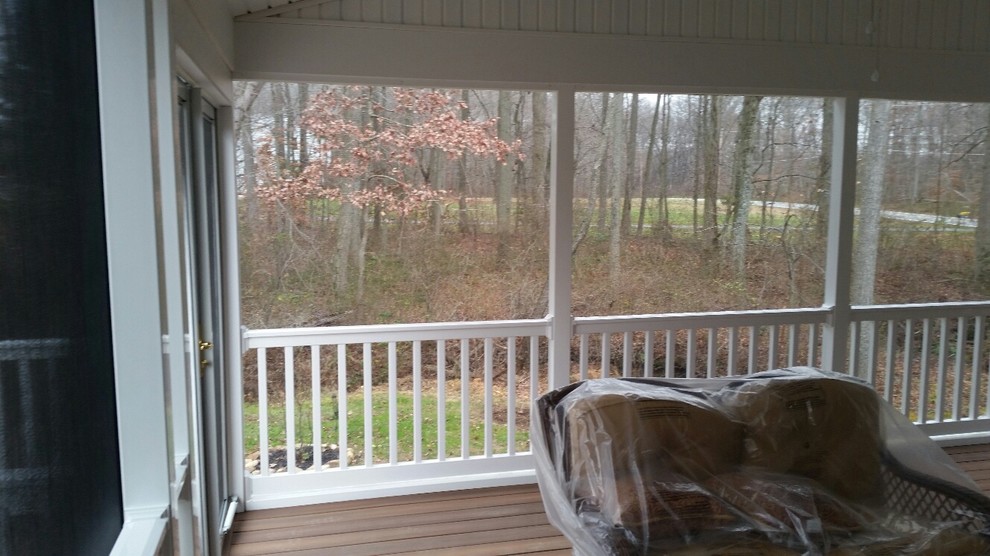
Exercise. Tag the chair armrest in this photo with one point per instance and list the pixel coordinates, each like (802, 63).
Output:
(921, 495)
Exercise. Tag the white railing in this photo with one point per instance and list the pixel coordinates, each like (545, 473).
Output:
(929, 360)
(699, 344)
(437, 428)
(422, 407)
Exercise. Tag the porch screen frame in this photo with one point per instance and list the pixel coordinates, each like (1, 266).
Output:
(131, 179)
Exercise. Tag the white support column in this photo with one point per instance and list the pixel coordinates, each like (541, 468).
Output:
(231, 300)
(561, 222)
(841, 216)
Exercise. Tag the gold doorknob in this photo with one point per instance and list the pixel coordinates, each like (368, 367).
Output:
(203, 346)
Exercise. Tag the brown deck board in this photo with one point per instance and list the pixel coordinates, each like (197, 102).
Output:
(346, 518)
(484, 522)
(508, 520)
(975, 461)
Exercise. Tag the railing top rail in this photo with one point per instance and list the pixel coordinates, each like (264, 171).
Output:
(360, 334)
(681, 321)
(920, 311)
(372, 333)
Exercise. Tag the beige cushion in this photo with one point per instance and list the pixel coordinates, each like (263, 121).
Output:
(665, 509)
(614, 436)
(776, 502)
(826, 429)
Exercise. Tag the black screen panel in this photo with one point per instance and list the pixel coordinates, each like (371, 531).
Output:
(60, 489)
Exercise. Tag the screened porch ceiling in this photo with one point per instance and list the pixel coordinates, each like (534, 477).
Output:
(921, 50)
(944, 25)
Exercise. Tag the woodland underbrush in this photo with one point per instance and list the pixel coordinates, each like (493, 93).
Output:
(422, 276)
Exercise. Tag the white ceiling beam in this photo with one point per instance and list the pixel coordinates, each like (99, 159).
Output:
(363, 53)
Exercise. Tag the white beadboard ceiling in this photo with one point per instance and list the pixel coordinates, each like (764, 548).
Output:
(946, 25)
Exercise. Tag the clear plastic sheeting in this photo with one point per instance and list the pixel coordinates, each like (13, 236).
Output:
(791, 461)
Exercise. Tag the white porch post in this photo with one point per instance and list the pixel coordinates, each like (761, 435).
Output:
(841, 215)
(231, 302)
(561, 218)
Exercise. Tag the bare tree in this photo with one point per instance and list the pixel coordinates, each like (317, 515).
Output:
(617, 119)
(246, 98)
(648, 164)
(770, 156)
(630, 173)
(742, 181)
(606, 127)
(709, 219)
(821, 195)
(541, 151)
(462, 208)
(302, 103)
(981, 257)
(662, 223)
(503, 183)
(875, 154)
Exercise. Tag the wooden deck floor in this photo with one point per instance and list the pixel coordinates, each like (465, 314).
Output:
(975, 461)
(498, 521)
(508, 520)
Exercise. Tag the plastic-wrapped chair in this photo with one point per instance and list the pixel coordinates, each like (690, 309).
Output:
(791, 461)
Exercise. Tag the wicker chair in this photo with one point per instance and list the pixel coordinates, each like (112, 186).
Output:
(907, 498)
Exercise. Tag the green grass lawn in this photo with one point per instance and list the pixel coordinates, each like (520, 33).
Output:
(380, 433)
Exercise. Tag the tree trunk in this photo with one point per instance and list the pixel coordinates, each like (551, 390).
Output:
(289, 140)
(303, 136)
(437, 164)
(824, 170)
(462, 209)
(710, 184)
(916, 158)
(243, 124)
(742, 181)
(503, 183)
(278, 116)
(867, 241)
(346, 234)
(617, 119)
(982, 243)
(362, 250)
(250, 171)
(630, 173)
(700, 116)
(603, 164)
(541, 153)
(525, 196)
(648, 164)
(662, 224)
(772, 147)
(875, 155)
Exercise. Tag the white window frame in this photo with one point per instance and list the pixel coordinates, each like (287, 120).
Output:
(138, 160)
